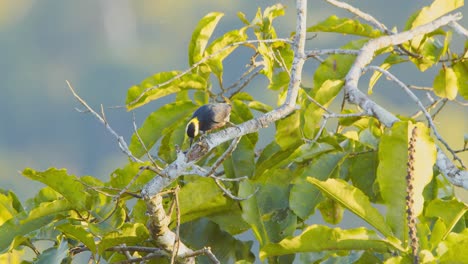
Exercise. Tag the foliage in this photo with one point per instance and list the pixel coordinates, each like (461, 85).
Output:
(360, 169)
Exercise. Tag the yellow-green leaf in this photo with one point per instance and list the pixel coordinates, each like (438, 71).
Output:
(354, 200)
(201, 35)
(345, 26)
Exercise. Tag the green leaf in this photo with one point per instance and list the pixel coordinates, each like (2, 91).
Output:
(121, 177)
(354, 200)
(251, 212)
(54, 255)
(392, 171)
(391, 60)
(304, 196)
(22, 224)
(155, 125)
(219, 49)
(129, 233)
(227, 249)
(335, 67)
(79, 233)
(453, 249)
(9, 206)
(279, 81)
(317, 238)
(345, 26)
(332, 211)
(273, 204)
(438, 233)
(288, 132)
(461, 70)
(450, 211)
(362, 172)
(67, 185)
(259, 106)
(242, 161)
(201, 35)
(324, 95)
(202, 197)
(136, 95)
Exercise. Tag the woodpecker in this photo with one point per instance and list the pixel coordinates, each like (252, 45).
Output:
(208, 117)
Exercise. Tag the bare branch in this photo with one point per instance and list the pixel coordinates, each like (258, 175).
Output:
(459, 29)
(122, 144)
(318, 52)
(359, 13)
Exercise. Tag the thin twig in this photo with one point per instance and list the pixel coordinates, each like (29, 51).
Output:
(175, 250)
(204, 251)
(428, 108)
(459, 29)
(224, 156)
(367, 17)
(421, 106)
(140, 260)
(135, 130)
(122, 144)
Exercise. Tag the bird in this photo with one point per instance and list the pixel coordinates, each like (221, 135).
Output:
(208, 117)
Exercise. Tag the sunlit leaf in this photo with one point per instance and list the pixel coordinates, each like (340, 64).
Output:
(201, 35)
(318, 238)
(429, 13)
(461, 71)
(59, 180)
(450, 211)
(24, 223)
(139, 95)
(392, 171)
(288, 132)
(9, 206)
(345, 26)
(324, 95)
(129, 234)
(79, 233)
(354, 200)
(445, 83)
(121, 177)
(453, 249)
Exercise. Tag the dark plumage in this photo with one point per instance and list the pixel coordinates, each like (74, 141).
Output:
(208, 117)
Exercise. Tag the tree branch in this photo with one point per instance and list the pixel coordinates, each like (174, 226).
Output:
(183, 162)
(355, 96)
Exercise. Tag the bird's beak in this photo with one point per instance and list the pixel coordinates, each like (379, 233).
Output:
(191, 141)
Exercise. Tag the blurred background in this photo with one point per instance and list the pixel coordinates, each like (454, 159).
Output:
(104, 47)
